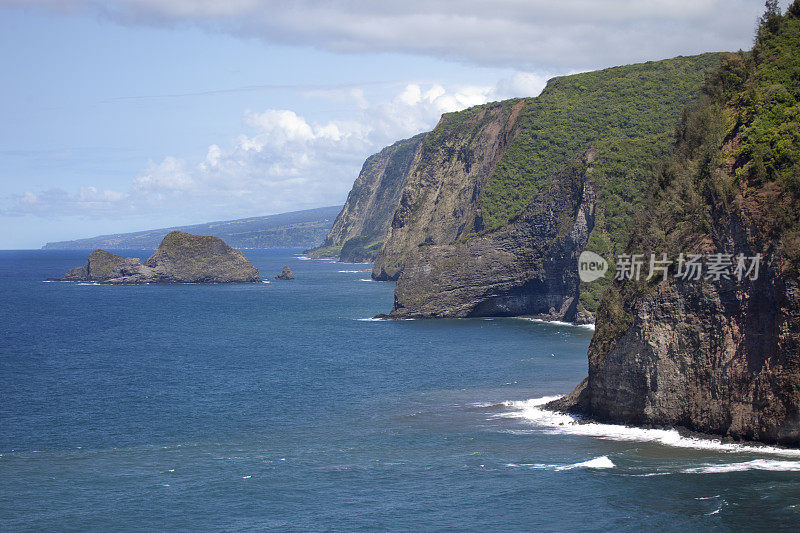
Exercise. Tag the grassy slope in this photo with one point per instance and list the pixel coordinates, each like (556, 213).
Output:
(602, 108)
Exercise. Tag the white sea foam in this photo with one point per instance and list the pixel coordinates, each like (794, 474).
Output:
(386, 320)
(772, 465)
(563, 424)
(596, 463)
(364, 279)
(556, 322)
(90, 283)
(349, 271)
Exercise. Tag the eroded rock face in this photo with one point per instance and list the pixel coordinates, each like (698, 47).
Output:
(438, 202)
(181, 258)
(359, 230)
(99, 267)
(186, 258)
(719, 353)
(715, 357)
(528, 267)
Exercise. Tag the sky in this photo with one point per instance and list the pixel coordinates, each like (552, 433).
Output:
(128, 115)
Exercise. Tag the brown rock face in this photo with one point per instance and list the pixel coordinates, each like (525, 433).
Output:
(528, 267)
(181, 258)
(359, 230)
(438, 203)
(99, 266)
(716, 357)
(186, 258)
(718, 354)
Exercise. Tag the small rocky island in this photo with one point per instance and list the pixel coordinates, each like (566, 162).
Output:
(285, 275)
(180, 258)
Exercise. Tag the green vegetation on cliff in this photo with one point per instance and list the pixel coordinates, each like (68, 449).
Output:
(736, 156)
(768, 102)
(716, 354)
(471, 121)
(626, 113)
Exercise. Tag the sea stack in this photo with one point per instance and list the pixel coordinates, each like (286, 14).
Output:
(180, 258)
(285, 275)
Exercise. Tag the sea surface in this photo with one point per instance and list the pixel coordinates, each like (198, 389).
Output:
(281, 407)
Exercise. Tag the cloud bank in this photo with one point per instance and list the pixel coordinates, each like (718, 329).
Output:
(281, 161)
(521, 34)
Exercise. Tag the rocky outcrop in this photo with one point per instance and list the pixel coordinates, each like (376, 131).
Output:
(180, 258)
(359, 230)
(528, 267)
(99, 266)
(285, 275)
(438, 203)
(718, 354)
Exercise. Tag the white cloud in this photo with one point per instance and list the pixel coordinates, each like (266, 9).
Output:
(520, 84)
(171, 175)
(282, 160)
(411, 95)
(531, 34)
(281, 124)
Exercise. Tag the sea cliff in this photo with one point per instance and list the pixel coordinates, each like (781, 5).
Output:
(716, 354)
(361, 226)
(486, 225)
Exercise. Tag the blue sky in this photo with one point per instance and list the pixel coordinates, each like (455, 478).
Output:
(129, 115)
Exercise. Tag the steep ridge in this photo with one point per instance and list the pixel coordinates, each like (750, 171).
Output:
(359, 229)
(439, 201)
(523, 266)
(718, 354)
(607, 129)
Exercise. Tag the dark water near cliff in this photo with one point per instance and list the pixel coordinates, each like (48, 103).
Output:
(272, 407)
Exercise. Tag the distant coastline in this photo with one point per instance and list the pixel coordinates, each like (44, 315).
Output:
(295, 229)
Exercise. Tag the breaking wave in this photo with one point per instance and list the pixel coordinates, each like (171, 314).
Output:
(563, 424)
(596, 463)
(557, 322)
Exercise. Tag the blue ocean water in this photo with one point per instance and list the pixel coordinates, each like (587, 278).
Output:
(276, 406)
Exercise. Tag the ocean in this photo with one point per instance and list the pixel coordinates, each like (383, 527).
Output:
(281, 406)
